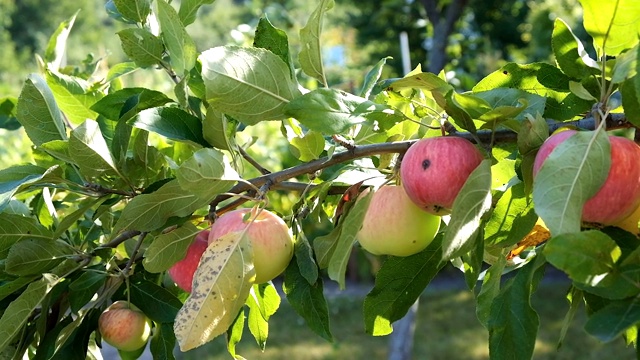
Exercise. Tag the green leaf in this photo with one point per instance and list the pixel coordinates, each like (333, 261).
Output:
(156, 302)
(609, 322)
(148, 212)
(170, 122)
(73, 96)
(90, 151)
(372, 77)
(218, 130)
(119, 70)
(399, 283)
(163, 342)
(307, 300)
(9, 113)
(625, 65)
(304, 257)
(207, 173)
(35, 256)
(473, 260)
(16, 228)
(9, 287)
(134, 10)
(329, 111)
(585, 256)
(189, 10)
(472, 202)
(533, 132)
(513, 323)
(570, 54)
(310, 56)
(490, 290)
(273, 39)
(235, 76)
(221, 286)
(350, 226)
(141, 46)
(308, 147)
(169, 248)
(13, 178)
(181, 47)
(263, 302)
(234, 334)
(82, 289)
(575, 298)
(453, 103)
(508, 104)
(574, 171)
(613, 25)
(17, 313)
(425, 81)
(38, 112)
(125, 103)
(541, 79)
(512, 217)
(56, 47)
(325, 245)
(631, 100)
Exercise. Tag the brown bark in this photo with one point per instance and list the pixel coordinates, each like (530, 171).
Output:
(443, 21)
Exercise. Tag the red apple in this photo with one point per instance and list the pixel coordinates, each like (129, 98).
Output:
(434, 170)
(619, 196)
(270, 238)
(124, 326)
(394, 225)
(182, 271)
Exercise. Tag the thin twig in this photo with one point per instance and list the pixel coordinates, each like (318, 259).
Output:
(129, 234)
(253, 161)
(134, 254)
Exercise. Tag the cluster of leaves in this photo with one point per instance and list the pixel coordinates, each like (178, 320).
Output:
(109, 206)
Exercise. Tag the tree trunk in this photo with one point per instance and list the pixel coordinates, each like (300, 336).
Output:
(443, 21)
(401, 340)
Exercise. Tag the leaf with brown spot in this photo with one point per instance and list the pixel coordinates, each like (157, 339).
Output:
(221, 286)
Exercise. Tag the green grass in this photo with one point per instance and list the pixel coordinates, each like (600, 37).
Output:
(447, 328)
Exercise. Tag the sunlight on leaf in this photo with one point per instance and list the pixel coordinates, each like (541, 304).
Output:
(236, 77)
(614, 25)
(573, 172)
(473, 201)
(310, 56)
(221, 286)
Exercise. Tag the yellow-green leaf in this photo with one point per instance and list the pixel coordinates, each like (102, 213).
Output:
(221, 286)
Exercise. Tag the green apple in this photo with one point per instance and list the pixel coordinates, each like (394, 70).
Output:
(394, 225)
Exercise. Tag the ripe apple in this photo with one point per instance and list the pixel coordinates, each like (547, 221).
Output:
(270, 238)
(182, 271)
(124, 326)
(630, 223)
(619, 196)
(434, 170)
(394, 225)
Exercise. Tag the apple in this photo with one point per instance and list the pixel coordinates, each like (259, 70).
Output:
(630, 223)
(394, 225)
(434, 170)
(182, 271)
(124, 326)
(619, 196)
(270, 238)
